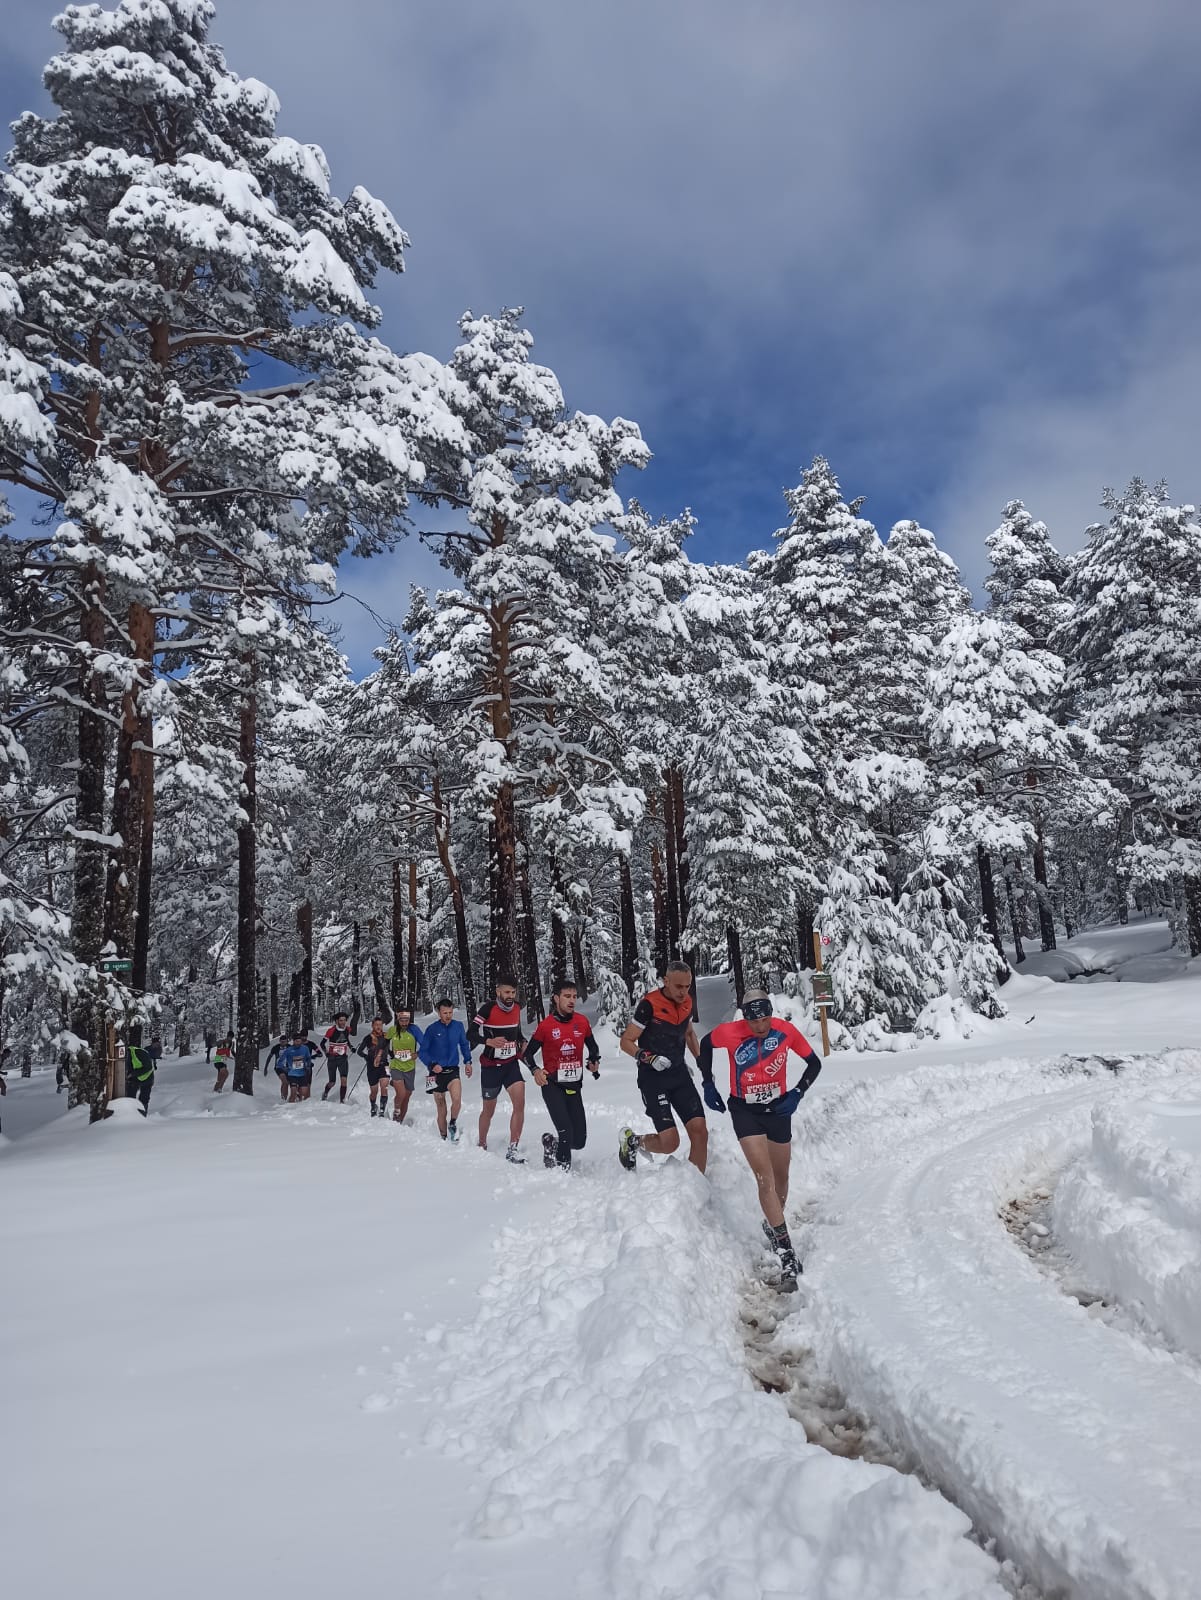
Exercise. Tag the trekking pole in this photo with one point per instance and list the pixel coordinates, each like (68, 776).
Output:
(355, 1084)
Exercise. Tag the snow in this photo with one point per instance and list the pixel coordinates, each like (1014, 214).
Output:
(1129, 1212)
(481, 1365)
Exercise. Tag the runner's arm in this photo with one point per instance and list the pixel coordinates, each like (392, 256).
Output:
(475, 1032)
(592, 1047)
(705, 1058)
(813, 1062)
(633, 1032)
(693, 1043)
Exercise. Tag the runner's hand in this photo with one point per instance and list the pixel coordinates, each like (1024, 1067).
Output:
(540, 1077)
(595, 1071)
(468, 1066)
(787, 1103)
(712, 1097)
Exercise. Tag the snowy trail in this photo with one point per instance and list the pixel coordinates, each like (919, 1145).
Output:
(1071, 1442)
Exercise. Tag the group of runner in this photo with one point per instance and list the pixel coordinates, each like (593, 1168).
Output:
(660, 1036)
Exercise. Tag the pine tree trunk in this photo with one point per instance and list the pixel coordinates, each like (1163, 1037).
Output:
(455, 885)
(413, 961)
(381, 998)
(1046, 909)
(505, 954)
(671, 862)
(356, 976)
(659, 906)
(804, 934)
(89, 1068)
(1121, 881)
(246, 1050)
(528, 977)
(988, 897)
(629, 929)
(260, 991)
(1192, 901)
(293, 1004)
(579, 969)
(734, 950)
(1019, 951)
(399, 925)
(676, 778)
(275, 1002)
(304, 927)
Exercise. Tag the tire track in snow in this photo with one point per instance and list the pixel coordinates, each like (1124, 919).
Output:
(1074, 1449)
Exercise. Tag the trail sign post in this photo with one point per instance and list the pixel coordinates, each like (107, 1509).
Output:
(116, 964)
(823, 990)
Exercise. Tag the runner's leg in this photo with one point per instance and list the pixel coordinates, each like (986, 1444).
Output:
(698, 1142)
(440, 1111)
(487, 1112)
(517, 1119)
(758, 1152)
(781, 1155)
(456, 1098)
(554, 1097)
(579, 1122)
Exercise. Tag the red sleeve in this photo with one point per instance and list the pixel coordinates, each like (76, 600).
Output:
(797, 1040)
(725, 1035)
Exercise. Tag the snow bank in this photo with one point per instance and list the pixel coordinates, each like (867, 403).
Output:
(605, 1382)
(1071, 1442)
(1129, 1211)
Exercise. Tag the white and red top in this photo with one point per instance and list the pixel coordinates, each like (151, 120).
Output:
(564, 1043)
(758, 1067)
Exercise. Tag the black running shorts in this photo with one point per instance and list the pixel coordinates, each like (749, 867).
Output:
(374, 1074)
(440, 1080)
(751, 1122)
(665, 1093)
(494, 1079)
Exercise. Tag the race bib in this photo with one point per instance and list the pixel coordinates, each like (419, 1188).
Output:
(759, 1094)
(404, 1057)
(337, 1049)
(504, 1052)
(570, 1072)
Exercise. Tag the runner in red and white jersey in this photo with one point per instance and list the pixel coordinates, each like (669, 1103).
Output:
(337, 1042)
(497, 1027)
(761, 1105)
(566, 1042)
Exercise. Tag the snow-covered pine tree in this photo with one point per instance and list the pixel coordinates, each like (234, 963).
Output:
(1025, 587)
(522, 649)
(164, 236)
(1133, 641)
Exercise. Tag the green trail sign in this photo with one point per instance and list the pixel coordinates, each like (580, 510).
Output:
(116, 964)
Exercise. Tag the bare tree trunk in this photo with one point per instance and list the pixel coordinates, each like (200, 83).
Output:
(413, 962)
(89, 1067)
(629, 929)
(1019, 950)
(457, 902)
(1046, 909)
(734, 949)
(579, 969)
(356, 977)
(527, 975)
(988, 897)
(304, 927)
(671, 859)
(1192, 902)
(676, 778)
(381, 998)
(294, 1004)
(1121, 880)
(505, 954)
(399, 987)
(263, 1035)
(274, 1006)
(246, 1049)
(804, 937)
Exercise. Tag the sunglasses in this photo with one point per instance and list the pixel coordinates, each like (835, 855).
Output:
(756, 1010)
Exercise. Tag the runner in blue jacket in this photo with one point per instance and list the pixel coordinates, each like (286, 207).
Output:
(442, 1050)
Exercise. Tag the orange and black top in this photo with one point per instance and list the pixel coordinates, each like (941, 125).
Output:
(665, 1024)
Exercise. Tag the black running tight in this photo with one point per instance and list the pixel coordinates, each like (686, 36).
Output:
(566, 1107)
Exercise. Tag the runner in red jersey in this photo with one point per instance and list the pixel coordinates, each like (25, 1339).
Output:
(761, 1105)
(565, 1040)
(497, 1026)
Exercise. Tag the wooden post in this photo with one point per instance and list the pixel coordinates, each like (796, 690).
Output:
(823, 1010)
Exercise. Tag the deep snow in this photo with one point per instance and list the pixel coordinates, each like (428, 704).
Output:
(254, 1349)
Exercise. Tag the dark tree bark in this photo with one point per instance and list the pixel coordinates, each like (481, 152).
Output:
(804, 935)
(275, 1004)
(671, 864)
(356, 977)
(579, 967)
(399, 984)
(413, 960)
(89, 1070)
(294, 1003)
(629, 929)
(246, 1050)
(1015, 921)
(304, 927)
(527, 976)
(988, 897)
(263, 1035)
(1046, 909)
(1192, 904)
(1121, 880)
(734, 949)
(676, 778)
(659, 907)
(381, 995)
(455, 885)
(505, 955)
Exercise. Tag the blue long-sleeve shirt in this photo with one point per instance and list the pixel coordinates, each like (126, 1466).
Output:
(445, 1045)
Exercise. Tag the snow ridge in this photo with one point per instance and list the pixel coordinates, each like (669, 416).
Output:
(614, 1396)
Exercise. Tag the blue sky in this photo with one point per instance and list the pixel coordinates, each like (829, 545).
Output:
(952, 245)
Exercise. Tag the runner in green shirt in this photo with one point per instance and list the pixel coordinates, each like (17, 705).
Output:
(404, 1037)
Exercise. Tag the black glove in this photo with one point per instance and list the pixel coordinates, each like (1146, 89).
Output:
(787, 1103)
(712, 1098)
